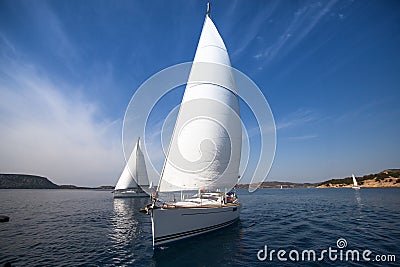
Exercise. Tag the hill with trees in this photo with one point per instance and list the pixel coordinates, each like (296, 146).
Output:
(386, 178)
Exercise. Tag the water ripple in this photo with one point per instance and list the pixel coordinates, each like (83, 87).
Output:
(89, 228)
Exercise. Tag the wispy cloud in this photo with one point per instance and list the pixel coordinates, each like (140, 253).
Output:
(253, 29)
(363, 111)
(303, 137)
(59, 135)
(299, 117)
(6, 44)
(297, 120)
(304, 21)
(55, 34)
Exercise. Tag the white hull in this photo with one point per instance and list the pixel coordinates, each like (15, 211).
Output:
(129, 194)
(173, 224)
(356, 187)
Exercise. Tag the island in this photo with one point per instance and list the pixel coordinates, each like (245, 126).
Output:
(27, 181)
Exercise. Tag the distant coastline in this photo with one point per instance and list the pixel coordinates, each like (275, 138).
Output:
(383, 179)
(27, 181)
(386, 179)
(277, 184)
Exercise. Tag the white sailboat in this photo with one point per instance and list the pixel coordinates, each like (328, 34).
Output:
(205, 149)
(355, 185)
(134, 177)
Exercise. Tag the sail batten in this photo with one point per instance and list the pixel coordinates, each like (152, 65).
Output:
(205, 147)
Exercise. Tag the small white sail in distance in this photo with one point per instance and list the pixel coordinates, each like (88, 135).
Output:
(355, 185)
(135, 172)
(205, 147)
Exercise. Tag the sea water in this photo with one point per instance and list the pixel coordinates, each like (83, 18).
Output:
(90, 228)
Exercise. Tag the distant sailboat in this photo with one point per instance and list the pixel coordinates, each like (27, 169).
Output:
(355, 185)
(208, 132)
(281, 187)
(134, 177)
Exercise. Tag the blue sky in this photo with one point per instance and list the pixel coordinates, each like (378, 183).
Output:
(329, 70)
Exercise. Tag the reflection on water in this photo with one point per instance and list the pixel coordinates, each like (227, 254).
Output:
(358, 207)
(124, 223)
(358, 197)
(127, 228)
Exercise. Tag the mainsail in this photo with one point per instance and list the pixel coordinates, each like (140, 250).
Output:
(205, 147)
(135, 172)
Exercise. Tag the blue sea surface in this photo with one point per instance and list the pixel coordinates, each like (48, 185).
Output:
(90, 228)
